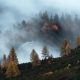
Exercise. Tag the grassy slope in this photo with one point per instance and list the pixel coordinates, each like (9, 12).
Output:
(59, 69)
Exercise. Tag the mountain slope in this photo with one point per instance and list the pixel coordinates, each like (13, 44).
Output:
(62, 68)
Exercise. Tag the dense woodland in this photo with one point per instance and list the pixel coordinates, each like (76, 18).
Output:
(65, 67)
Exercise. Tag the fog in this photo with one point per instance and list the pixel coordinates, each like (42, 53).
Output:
(26, 36)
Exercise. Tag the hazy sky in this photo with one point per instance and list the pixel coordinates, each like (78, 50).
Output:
(30, 7)
(14, 11)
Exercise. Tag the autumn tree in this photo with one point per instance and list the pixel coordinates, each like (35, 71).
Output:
(45, 52)
(78, 41)
(12, 69)
(34, 58)
(65, 48)
(13, 55)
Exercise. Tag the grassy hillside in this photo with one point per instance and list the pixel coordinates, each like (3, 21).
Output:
(62, 68)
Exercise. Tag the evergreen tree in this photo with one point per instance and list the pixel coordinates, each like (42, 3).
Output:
(57, 23)
(13, 55)
(4, 62)
(45, 53)
(12, 69)
(35, 58)
(56, 20)
(45, 16)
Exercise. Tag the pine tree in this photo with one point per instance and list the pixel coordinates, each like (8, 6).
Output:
(12, 68)
(4, 64)
(57, 21)
(13, 55)
(45, 53)
(35, 58)
(66, 48)
(45, 16)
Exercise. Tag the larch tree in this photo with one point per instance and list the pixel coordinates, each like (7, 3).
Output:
(12, 68)
(66, 48)
(13, 54)
(34, 58)
(45, 52)
(78, 41)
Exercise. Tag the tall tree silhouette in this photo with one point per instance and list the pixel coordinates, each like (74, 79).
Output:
(34, 58)
(12, 69)
(45, 52)
(13, 55)
(65, 48)
(4, 62)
